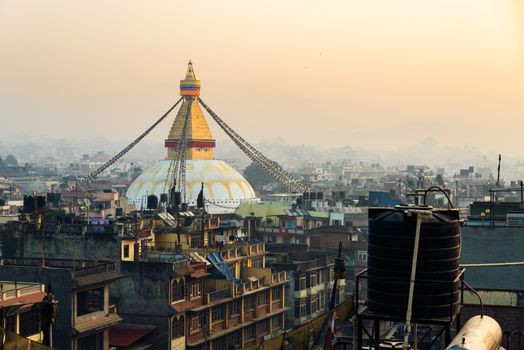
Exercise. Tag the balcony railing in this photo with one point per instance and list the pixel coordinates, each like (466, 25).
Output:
(278, 277)
(218, 295)
(93, 270)
(280, 230)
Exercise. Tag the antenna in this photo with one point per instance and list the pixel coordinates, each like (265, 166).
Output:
(498, 171)
(498, 179)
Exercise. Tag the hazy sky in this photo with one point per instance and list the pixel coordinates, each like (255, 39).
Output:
(369, 73)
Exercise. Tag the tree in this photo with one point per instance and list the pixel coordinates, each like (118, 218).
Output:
(10, 160)
(256, 176)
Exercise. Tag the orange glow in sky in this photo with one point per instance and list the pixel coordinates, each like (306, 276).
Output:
(375, 73)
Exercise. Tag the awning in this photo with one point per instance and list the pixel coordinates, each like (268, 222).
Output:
(96, 321)
(98, 278)
(124, 335)
(182, 306)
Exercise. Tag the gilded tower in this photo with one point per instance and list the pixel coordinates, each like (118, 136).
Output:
(200, 142)
(224, 187)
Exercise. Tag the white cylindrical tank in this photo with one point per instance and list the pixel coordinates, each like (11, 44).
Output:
(479, 333)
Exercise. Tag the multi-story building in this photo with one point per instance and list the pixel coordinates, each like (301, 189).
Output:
(242, 310)
(312, 275)
(229, 299)
(82, 289)
(22, 318)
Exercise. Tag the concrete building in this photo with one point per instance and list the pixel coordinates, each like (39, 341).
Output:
(22, 318)
(309, 294)
(82, 289)
(231, 299)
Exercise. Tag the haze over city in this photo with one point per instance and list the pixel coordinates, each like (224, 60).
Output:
(375, 74)
(276, 175)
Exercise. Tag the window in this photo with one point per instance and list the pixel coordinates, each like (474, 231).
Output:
(263, 298)
(177, 290)
(308, 305)
(234, 308)
(276, 322)
(219, 344)
(29, 323)
(249, 303)
(315, 303)
(177, 327)
(256, 263)
(235, 339)
(195, 290)
(313, 277)
(300, 307)
(90, 301)
(217, 314)
(10, 323)
(196, 323)
(126, 251)
(277, 293)
(322, 301)
(92, 342)
(196, 241)
(249, 333)
(300, 283)
(362, 256)
(263, 327)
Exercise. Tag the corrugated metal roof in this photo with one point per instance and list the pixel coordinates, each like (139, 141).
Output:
(127, 334)
(167, 218)
(96, 321)
(97, 278)
(195, 256)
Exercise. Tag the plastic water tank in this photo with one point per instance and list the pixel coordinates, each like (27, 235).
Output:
(390, 253)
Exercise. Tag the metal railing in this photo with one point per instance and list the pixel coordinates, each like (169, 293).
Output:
(218, 295)
(93, 270)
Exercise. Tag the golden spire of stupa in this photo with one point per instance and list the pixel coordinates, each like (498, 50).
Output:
(200, 142)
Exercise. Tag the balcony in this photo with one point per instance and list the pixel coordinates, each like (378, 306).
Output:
(93, 270)
(278, 277)
(280, 230)
(256, 248)
(19, 290)
(83, 272)
(218, 295)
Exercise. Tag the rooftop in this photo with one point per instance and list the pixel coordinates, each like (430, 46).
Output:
(83, 272)
(12, 293)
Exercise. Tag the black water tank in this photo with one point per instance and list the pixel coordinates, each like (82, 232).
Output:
(119, 212)
(54, 198)
(176, 199)
(152, 201)
(390, 253)
(29, 204)
(184, 207)
(163, 198)
(40, 202)
(188, 221)
(2, 201)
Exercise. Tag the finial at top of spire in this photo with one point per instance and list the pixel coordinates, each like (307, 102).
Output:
(190, 86)
(190, 74)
